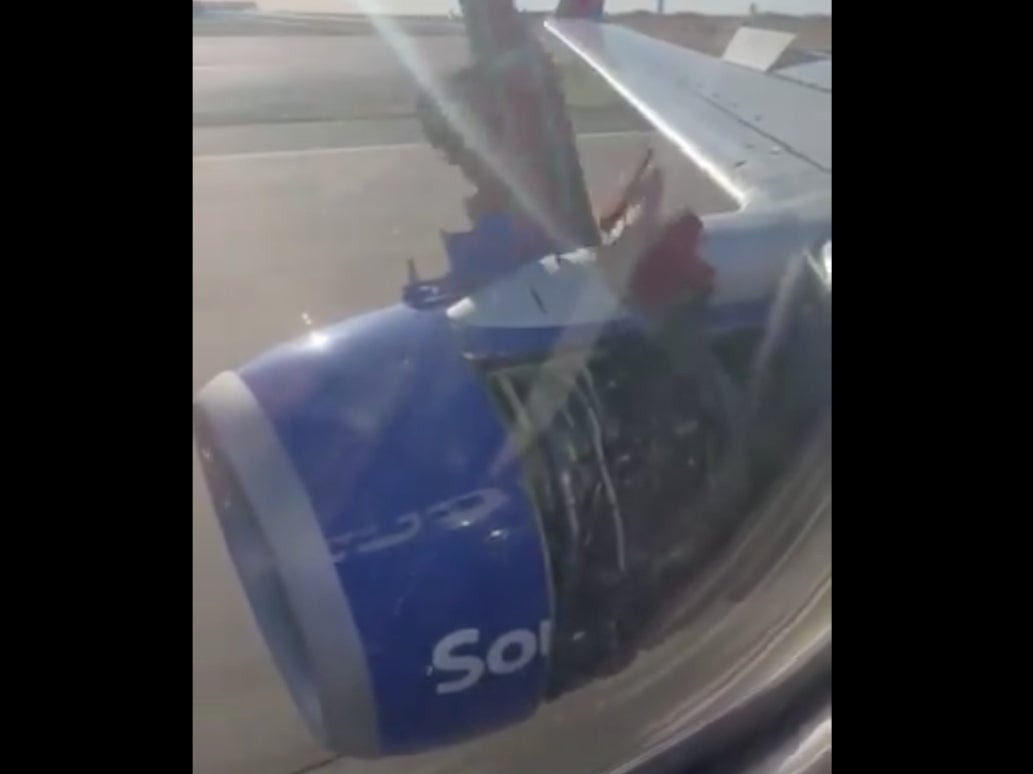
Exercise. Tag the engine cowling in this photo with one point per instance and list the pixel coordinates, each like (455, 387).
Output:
(381, 531)
(433, 547)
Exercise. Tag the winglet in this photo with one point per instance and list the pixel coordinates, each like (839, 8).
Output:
(757, 48)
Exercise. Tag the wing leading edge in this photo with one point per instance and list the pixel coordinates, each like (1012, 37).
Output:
(758, 135)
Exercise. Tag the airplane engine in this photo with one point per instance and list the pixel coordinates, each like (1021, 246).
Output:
(433, 547)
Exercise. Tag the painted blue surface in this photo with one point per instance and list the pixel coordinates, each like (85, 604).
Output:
(484, 342)
(383, 419)
(496, 245)
(520, 343)
(422, 502)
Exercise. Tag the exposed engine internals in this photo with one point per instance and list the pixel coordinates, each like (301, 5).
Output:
(641, 471)
(622, 453)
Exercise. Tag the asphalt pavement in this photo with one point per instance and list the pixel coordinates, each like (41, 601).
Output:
(293, 90)
(241, 80)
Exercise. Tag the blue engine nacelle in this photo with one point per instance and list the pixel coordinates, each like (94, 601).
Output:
(382, 532)
(433, 546)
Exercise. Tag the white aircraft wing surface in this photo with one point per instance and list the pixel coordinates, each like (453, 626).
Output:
(760, 135)
(816, 74)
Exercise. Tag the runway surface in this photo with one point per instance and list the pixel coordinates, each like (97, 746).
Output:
(239, 80)
(315, 218)
(290, 78)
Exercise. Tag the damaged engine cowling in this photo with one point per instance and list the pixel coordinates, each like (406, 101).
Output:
(433, 547)
(638, 473)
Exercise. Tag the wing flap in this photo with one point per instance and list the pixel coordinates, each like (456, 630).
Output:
(756, 48)
(757, 135)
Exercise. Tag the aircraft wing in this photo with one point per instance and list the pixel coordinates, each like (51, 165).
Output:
(760, 134)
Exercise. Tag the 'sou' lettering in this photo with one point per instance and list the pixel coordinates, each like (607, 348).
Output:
(509, 653)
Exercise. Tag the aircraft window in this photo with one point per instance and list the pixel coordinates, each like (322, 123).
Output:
(826, 261)
(821, 262)
(403, 607)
